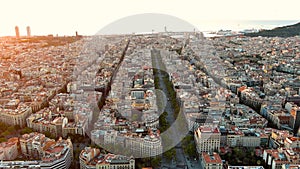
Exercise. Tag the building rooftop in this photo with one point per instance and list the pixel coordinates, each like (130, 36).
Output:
(213, 158)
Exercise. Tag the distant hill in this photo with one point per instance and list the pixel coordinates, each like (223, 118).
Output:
(285, 31)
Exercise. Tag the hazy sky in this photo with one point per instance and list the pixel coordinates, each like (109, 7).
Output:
(64, 17)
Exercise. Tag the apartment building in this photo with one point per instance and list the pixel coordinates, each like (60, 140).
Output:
(234, 140)
(147, 146)
(9, 149)
(57, 155)
(92, 158)
(15, 113)
(43, 152)
(211, 161)
(278, 158)
(32, 144)
(57, 125)
(207, 139)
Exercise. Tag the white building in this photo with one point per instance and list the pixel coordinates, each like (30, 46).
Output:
(207, 139)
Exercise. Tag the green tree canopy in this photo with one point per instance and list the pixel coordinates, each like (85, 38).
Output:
(26, 130)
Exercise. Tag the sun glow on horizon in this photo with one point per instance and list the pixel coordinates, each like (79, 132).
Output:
(88, 17)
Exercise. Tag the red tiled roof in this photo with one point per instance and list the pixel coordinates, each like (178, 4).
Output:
(56, 149)
(214, 158)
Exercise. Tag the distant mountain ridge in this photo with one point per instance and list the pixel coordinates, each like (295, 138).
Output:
(284, 31)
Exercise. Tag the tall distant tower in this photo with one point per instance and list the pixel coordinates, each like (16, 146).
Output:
(17, 32)
(296, 119)
(28, 31)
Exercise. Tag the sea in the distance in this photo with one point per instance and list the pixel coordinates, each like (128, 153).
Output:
(147, 23)
(209, 28)
(240, 25)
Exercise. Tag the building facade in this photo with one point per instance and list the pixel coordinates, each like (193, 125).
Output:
(92, 158)
(43, 152)
(13, 114)
(9, 149)
(207, 139)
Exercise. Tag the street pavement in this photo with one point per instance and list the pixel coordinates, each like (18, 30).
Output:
(182, 160)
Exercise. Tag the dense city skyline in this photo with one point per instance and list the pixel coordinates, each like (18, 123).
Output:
(236, 93)
(154, 85)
